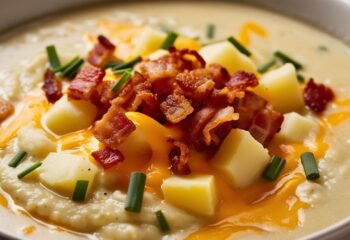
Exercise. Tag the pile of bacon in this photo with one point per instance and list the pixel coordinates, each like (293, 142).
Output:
(176, 89)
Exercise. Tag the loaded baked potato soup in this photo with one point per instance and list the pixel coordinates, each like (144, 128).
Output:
(172, 121)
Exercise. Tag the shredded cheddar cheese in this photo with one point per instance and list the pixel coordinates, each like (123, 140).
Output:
(247, 29)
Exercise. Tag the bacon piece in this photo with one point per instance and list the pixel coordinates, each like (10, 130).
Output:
(222, 116)
(113, 128)
(107, 95)
(196, 84)
(182, 53)
(265, 125)
(178, 158)
(247, 108)
(6, 109)
(223, 97)
(317, 96)
(101, 53)
(219, 74)
(241, 80)
(85, 83)
(176, 108)
(108, 157)
(52, 86)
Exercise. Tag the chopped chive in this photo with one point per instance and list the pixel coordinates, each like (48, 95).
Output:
(53, 57)
(129, 64)
(80, 190)
(310, 166)
(286, 59)
(169, 40)
(300, 78)
(163, 223)
(211, 31)
(64, 67)
(121, 71)
(123, 79)
(17, 159)
(112, 64)
(265, 67)
(323, 48)
(239, 46)
(274, 168)
(28, 170)
(71, 70)
(135, 192)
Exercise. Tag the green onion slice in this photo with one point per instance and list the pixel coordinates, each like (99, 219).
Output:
(112, 64)
(64, 67)
(53, 57)
(71, 70)
(17, 159)
(310, 166)
(28, 170)
(124, 78)
(265, 67)
(80, 190)
(121, 71)
(129, 64)
(300, 78)
(163, 223)
(274, 168)
(239, 46)
(211, 31)
(135, 192)
(286, 59)
(169, 40)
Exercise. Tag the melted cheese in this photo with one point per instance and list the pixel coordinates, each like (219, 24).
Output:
(247, 29)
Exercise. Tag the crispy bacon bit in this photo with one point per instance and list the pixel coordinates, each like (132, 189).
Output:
(198, 122)
(6, 109)
(102, 52)
(317, 96)
(241, 80)
(52, 86)
(113, 128)
(176, 108)
(219, 74)
(182, 53)
(196, 84)
(247, 108)
(108, 157)
(222, 116)
(178, 158)
(223, 97)
(85, 82)
(266, 124)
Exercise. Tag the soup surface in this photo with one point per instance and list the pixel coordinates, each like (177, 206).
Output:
(287, 207)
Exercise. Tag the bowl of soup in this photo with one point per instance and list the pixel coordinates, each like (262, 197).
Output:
(174, 120)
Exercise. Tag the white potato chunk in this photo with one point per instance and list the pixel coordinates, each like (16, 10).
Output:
(228, 56)
(283, 88)
(35, 141)
(241, 158)
(68, 115)
(157, 54)
(296, 127)
(195, 193)
(60, 172)
(149, 41)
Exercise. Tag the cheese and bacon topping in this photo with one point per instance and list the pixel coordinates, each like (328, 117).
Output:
(199, 126)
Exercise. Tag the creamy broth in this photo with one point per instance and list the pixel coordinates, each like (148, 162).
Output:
(331, 66)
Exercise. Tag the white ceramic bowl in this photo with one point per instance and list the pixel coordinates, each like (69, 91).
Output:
(332, 16)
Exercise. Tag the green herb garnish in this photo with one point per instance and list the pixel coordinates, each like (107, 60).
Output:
(239, 46)
(123, 79)
(286, 59)
(80, 190)
(53, 57)
(17, 159)
(169, 40)
(28, 170)
(310, 167)
(71, 70)
(135, 192)
(129, 64)
(274, 168)
(211, 31)
(300, 78)
(163, 223)
(265, 67)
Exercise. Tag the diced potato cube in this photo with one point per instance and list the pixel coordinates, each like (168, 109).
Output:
(149, 41)
(60, 172)
(35, 141)
(68, 115)
(241, 158)
(157, 54)
(228, 56)
(283, 88)
(195, 193)
(296, 127)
